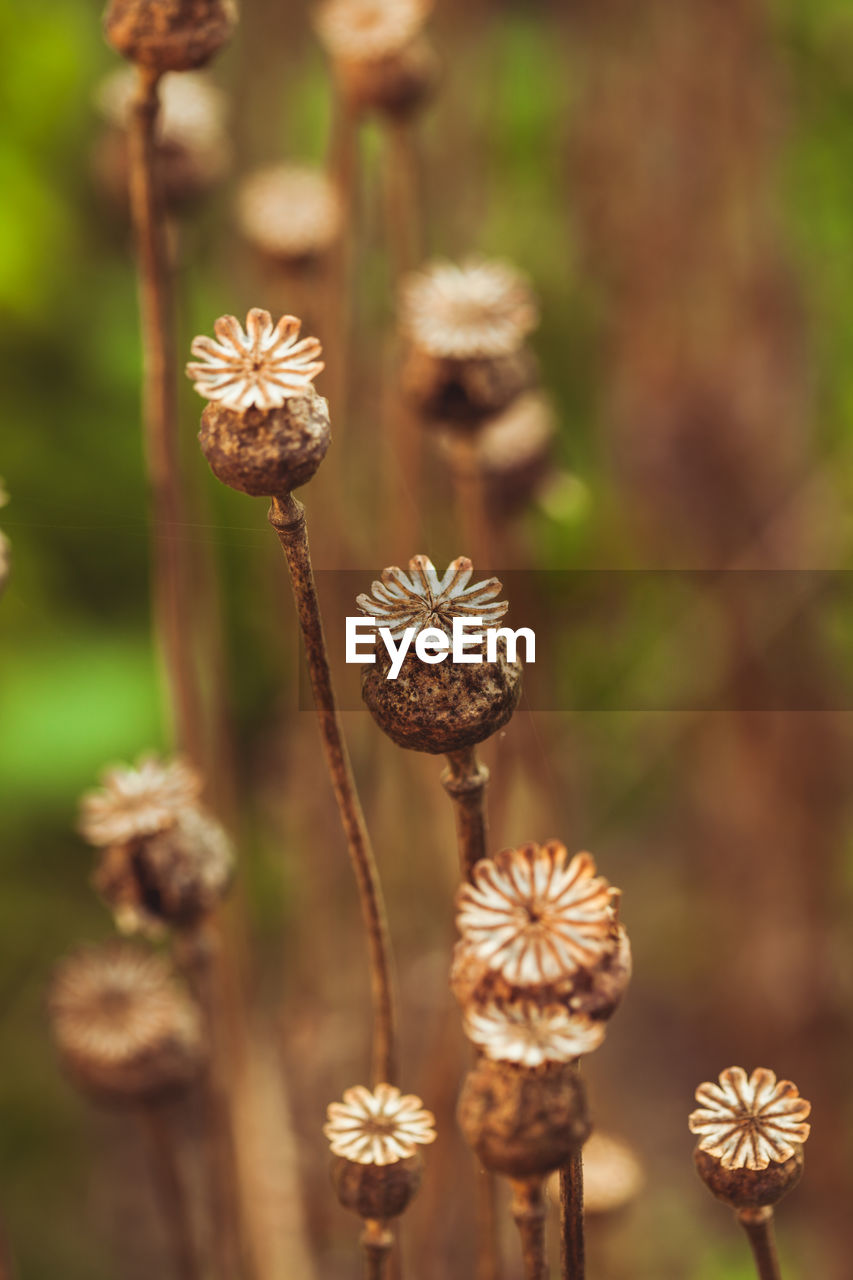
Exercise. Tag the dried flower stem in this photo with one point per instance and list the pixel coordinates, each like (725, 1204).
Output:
(287, 517)
(528, 1209)
(472, 520)
(197, 954)
(758, 1225)
(572, 1256)
(169, 1187)
(378, 1243)
(171, 571)
(465, 780)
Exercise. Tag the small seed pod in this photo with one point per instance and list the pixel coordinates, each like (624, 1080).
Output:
(749, 1188)
(193, 145)
(464, 392)
(266, 430)
(376, 1137)
(396, 86)
(173, 878)
(541, 925)
(169, 35)
(266, 452)
(523, 1123)
(511, 452)
(751, 1134)
(443, 707)
(377, 1191)
(290, 214)
(125, 1031)
(465, 327)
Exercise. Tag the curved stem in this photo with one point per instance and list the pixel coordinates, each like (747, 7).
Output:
(169, 1188)
(758, 1225)
(528, 1209)
(572, 1255)
(171, 572)
(287, 517)
(465, 780)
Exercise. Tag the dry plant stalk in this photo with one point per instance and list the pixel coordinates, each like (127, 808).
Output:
(169, 1188)
(572, 1251)
(171, 571)
(287, 517)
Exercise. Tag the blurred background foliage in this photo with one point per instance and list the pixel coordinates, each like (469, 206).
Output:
(78, 683)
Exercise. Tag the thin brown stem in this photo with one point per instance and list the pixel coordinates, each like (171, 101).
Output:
(758, 1225)
(572, 1253)
(198, 954)
(472, 520)
(172, 578)
(287, 516)
(528, 1210)
(378, 1242)
(465, 780)
(487, 1264)
(169, 1188)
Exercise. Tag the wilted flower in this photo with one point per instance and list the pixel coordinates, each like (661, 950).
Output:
(379, 1127)
(138, 802)
(290, 212)
(123, 1027)
(749, 1122)
(421, 599)
(369, 30)
(536, 915)
(523, 1032)
(264, 366)
(479, 308)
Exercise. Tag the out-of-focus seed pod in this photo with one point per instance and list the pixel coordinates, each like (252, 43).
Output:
(169, 35)
(290, 214)
(125, 1031)
(173, 878)
(520, 1122)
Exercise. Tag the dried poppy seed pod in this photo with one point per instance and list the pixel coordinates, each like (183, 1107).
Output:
(125, 1032)
(397, 86)
(380, 59)
(465, 327)
(192, 142)
(266, 431)
(523, 1123)
(751, 1134)
(539, 924)
(291, 214)
(445, 706)
(376, 1138)
(176, 877)
(169, 35)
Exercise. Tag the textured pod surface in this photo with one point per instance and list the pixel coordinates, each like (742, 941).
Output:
(523, 1123)
(464, 392)
(397, 85)
(444, 706)
(169, 35)
(266, 452)
(377, 1191)
(593, 993)
(749, 1188)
